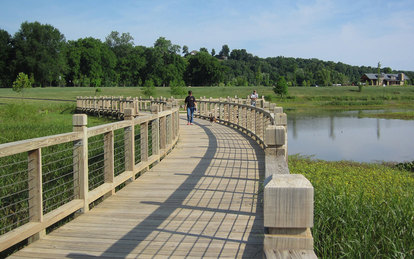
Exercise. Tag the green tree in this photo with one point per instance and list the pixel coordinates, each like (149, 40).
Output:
(213, 52)
(130, 60)
(22, 82)
(165, 46)
(96, 63)
(149, 88)
(281, 87)
(323, 77)
(177, 90)
(240, 81)
(6, 64)
(259, 76)
(73, 52)
(164, 65)
(387, 70)
(203, 69)
(185, 50)
(38, 50)
(225, 51)
(203, 49)
(114, 39)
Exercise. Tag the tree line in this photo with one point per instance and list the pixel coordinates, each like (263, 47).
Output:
(42, 52)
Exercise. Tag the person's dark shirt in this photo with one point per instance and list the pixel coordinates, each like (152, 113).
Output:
(190, 101)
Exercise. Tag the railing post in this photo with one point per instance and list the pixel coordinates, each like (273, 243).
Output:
(177, 121)
(80, 155)
(129, 141)
(169, 127)
(155, 132)
(230, 112)
(220, 111)
(288, 198)
(248, 119)
(35, 191)
(260, 125)
(281, 120)
(144, 141)
(109, 160)
(136, 105)
(253, 120)
(163, 133)
(242, 118)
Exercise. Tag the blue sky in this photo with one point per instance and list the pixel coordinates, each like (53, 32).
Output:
(353, 32)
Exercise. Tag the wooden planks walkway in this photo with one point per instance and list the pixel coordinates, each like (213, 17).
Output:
(200, 201)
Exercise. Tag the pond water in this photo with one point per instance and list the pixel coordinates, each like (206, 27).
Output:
(338, 136)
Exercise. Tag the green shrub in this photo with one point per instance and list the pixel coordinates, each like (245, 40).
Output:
(22, 82)
(268, 97)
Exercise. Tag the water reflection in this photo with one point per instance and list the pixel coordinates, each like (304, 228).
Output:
(344, 136)
(378, 129)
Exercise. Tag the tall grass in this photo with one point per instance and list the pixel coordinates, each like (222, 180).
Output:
(19, 121)
(361, 210)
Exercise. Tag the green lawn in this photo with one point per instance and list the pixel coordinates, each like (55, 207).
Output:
(215, 91)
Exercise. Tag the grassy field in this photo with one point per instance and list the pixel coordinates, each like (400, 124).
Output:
(300, 98)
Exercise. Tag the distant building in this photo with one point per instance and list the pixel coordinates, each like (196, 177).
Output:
(194, 52)
(385, 79)
(222, 57)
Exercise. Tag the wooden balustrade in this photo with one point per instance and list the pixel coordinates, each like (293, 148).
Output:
(237, 113)
(151, 124)
(115, 106)
(288, 198)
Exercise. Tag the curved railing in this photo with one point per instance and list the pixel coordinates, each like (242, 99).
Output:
(44, 180)
(288, 198)
(115, 106)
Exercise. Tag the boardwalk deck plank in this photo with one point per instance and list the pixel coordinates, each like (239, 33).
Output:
(202, 200)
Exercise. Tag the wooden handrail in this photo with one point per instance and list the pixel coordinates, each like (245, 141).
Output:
(288, 198)
(114, 106)
(38, 220)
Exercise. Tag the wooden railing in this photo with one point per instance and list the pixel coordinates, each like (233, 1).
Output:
(288, 198)
(115, 106)
(44, 180)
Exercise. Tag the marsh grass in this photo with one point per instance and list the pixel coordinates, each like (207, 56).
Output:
(19, 121)
(406, 115)
(361, 210)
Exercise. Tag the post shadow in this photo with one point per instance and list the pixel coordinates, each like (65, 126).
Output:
(161, 214)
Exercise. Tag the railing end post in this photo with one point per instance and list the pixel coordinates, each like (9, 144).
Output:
(154, 109)
(129, 113)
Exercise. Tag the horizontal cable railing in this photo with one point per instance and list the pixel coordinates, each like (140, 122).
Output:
(44, 180)
(115, 106)
(288, 198)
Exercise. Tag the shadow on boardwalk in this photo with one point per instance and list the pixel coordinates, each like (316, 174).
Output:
(250, 242)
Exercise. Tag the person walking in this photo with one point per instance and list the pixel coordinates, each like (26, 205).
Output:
(253, 98)
(190, 106)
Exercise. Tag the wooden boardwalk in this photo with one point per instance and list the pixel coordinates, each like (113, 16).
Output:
(202, 200)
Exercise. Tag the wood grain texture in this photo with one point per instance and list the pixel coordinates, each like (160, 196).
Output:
(200, 201)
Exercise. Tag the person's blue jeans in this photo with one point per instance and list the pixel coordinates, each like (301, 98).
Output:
(190, 114)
